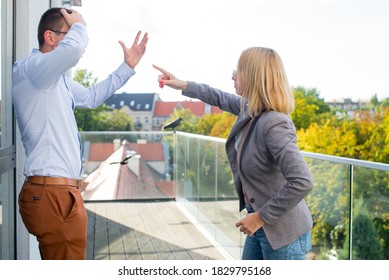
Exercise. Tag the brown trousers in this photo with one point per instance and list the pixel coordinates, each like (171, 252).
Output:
(56, 215)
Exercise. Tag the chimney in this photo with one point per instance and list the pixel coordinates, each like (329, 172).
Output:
(133, 163)
(116, 144)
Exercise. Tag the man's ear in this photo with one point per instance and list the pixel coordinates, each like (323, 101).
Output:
(48, 36)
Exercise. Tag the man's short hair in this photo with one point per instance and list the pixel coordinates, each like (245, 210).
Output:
(52, 19)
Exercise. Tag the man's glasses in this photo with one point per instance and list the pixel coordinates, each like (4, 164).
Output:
(58, 32)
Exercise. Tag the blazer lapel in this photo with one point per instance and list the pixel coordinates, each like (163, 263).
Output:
(240, 123)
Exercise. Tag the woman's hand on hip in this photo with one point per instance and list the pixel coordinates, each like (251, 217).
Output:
(250, 224)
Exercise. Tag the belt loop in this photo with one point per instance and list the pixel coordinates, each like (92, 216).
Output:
(44, 181)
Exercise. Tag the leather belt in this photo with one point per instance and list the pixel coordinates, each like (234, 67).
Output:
(43, 180)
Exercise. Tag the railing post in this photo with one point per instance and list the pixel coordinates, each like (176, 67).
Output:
(198, 171)
(351, 170)
(175, 155)
(216, 169)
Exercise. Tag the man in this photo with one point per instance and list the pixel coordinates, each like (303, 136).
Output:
(44, 98)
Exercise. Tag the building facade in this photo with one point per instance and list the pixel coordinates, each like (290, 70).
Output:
(150, 113)
(140, 106)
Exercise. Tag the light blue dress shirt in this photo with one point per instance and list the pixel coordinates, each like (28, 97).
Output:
(44, 98)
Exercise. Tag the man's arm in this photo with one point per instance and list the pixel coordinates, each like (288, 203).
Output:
(45, 69)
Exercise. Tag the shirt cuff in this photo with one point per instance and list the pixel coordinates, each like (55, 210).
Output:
(124, 71)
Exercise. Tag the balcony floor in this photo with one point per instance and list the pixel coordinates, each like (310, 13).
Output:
(144, 231)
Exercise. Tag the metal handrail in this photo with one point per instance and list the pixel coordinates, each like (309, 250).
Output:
(343, 160)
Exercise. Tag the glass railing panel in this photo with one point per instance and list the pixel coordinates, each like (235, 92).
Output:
(206, 181)
(192, 189)
(344, 188)
(370, 217)
(329, 203)
(227, 206)
(186, 170)
(206, 188)
(127, 166)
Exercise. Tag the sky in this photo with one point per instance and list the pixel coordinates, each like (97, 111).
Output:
(339, 47)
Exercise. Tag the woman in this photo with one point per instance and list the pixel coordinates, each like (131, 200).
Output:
(270, 174)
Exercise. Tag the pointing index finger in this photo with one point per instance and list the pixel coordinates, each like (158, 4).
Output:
(160, 69)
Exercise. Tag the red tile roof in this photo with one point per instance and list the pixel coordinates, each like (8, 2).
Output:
(165, 109)
(100, 151)
(148, 151)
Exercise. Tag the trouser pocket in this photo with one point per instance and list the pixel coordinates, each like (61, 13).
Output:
(30, 206)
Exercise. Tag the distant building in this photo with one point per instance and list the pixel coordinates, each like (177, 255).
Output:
(347, 104)
(150, 113)
(163, 110)
(140, 106)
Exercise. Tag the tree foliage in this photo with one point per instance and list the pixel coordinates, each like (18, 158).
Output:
(308, 107)
(366, 240)
(189, 120)
(332, 137)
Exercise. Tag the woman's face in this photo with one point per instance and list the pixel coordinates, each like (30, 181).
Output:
(236, 82)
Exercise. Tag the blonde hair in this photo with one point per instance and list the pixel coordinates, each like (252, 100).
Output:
(264, 83)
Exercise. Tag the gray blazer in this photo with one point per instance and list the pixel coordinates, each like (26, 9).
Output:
(271, 169)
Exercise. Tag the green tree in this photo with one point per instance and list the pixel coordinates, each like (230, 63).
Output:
(216, 125)
(189, 120)
(373, 135)
(84, 77)
(223, 126)
(308, 107)
(374, 101)
(333, 137)
(385, 102)
(86, 117)
(113, 121)
(206, 123)
(366, 241)
(328, 202)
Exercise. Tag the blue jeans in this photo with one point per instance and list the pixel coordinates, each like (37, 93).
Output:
(257, 247)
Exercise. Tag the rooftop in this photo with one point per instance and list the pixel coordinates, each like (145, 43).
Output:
(134, 101)
(166, 108)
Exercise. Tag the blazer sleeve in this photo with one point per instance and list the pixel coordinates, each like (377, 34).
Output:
(225, 101)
